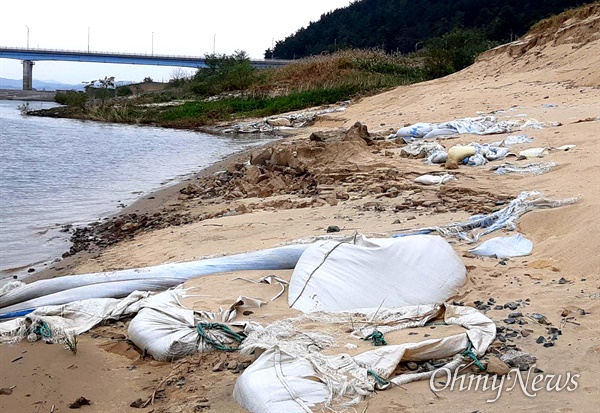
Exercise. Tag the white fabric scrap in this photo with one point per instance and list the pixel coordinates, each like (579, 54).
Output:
(504, 247)
(434, 179)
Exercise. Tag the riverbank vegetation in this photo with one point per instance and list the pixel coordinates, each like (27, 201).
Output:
(230, 88)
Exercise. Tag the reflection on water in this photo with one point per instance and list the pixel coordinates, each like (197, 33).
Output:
(55, 172)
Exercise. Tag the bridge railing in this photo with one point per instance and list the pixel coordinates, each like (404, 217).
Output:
(120, 54)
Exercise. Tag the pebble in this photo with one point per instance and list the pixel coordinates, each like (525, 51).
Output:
(548, 344)
(412, 365)
(333, 228)
(510, 320)
(498, 307)
(540, 318)
(511, 305)
(497, 366)
(138, 403)
(220, 366)
(515, 315)
(540, 340)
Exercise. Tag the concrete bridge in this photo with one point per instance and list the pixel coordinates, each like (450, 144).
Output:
(30, 56)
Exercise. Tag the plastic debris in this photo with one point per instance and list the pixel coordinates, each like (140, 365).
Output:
(480, 225)
(504, 247)
(533, 153)
(536, 168)
(434, 179)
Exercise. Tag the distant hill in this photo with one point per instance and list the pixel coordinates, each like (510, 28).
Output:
(405, 25)
(38, 84)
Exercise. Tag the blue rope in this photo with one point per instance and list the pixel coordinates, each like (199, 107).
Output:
(376, 337)
(469, 353)
(201, 328)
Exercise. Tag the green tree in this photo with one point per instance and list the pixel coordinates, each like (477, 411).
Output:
(103, 91)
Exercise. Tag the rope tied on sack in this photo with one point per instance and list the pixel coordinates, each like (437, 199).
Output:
(377, 338)
(469, 353)
(202, 329)
(378, 378)
(42, 329)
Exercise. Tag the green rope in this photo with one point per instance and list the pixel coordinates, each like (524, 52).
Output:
(469, 353)
(203, 327)
(377, 338)
(42, 329)
(377, 377)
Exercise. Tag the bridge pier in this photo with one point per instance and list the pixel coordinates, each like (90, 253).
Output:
(28, 74)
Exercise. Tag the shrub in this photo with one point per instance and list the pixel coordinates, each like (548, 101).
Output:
(124, 91)
(453, 51)
(71, 98)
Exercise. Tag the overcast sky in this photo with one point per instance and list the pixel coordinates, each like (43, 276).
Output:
(185, 27)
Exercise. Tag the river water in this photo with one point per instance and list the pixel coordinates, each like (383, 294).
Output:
(55, 172)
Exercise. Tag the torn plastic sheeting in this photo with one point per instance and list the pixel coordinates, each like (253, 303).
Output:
(479, 225)
(481, 125)
(73, 318)
(292, 374)
(536, 168)
(166, 330)
(171, 274)
(439, 156)
(420, 149)
(504, 247)
(334, 276)
(513, 140)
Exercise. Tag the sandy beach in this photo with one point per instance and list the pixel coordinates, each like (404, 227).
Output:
(340, 177)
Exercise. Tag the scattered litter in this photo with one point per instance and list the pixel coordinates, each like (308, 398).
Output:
(294, 120)
(513, 140)
(565, 147)
(536, 168)
(533, 153)
(434, 179)
(479, 225)
(481, 125)
(502, 247)
(439, 156)
(421, 149)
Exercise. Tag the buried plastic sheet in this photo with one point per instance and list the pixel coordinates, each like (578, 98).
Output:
(536, 168)
(504, 247)
(335, 276)
(479, 225)
(513, 140)
(293, 374)
(121, 283)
